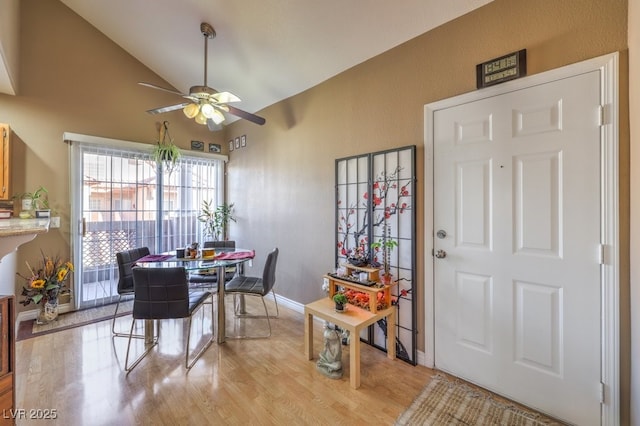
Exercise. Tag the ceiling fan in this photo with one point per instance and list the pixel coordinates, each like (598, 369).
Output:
(206, 105)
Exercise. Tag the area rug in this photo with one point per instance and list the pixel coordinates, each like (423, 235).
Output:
(28, 329)
(447, 401)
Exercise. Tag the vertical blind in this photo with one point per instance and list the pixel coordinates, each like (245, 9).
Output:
(123, 199)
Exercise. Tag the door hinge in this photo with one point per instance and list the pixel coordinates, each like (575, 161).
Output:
(601, 393)
(603, 114)
(602, 254)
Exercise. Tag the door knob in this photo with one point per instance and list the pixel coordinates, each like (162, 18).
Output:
(441, 254)
(441, 234)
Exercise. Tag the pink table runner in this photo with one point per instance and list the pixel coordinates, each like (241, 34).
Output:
(154, 258)
(235, 255)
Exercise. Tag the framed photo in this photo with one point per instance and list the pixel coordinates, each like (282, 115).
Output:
(197, 145)
(237, 142)
(243, 140)
(231, 145)
(214, 147)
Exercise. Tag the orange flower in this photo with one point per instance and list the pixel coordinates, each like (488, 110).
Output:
(62, 274)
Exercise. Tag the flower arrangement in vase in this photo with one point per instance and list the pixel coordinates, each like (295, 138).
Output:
(45, 284)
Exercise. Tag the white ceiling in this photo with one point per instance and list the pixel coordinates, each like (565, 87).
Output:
(265, 50)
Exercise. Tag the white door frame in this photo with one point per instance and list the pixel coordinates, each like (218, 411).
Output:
(610, 262)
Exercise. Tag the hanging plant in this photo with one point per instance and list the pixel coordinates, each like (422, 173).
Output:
(166, 153)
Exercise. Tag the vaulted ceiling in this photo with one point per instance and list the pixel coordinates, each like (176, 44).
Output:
(266, 50)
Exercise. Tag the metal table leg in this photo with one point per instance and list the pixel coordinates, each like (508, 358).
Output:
(221, 337)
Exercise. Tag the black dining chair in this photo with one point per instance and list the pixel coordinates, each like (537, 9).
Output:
(242, 285)
(163, 293)
(126, 260)
(197, 279)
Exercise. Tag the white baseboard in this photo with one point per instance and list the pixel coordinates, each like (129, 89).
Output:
(33, 313)
(299, 307)
(291, 304)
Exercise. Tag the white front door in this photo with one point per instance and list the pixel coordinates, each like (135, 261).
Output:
(517, 268)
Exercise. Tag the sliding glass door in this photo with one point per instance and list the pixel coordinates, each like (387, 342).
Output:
(121, 199)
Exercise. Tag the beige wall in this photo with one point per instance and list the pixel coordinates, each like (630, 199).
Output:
(74, 79)
(282, 184)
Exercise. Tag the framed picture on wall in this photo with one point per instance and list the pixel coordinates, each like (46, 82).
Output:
(231, 145)
(197, 145)
(243, 140)
(214, 147)
(237, 142)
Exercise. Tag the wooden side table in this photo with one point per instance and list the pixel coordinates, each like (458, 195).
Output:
(354, 320)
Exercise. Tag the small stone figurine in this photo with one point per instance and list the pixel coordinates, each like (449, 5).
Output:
(330, 362)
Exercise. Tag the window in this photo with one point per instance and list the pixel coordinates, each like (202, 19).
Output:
(122, 200)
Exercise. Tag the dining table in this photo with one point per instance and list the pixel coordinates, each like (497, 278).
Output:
(222, 259)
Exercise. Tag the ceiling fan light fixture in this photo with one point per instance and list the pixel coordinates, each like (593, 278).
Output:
(201, 119)
(191, 110)
(207, 110)
(217, 116)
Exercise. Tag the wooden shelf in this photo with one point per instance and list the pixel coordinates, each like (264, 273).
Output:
(372, 291)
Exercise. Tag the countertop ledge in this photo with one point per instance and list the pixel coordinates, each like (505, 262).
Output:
(13, 227)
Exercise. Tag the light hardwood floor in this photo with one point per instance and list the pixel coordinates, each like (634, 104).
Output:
(80, 374)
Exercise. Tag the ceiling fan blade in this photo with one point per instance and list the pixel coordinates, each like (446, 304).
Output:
(213, 126)
(168, 108)
(153, 86)
(224, 97)
(246, 115)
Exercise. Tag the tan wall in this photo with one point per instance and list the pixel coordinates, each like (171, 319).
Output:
(74, 79)
(282, 184)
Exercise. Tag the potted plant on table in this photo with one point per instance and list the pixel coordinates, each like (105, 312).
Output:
(386, 244)
(45, 284)
(216, 220)
(341, 302)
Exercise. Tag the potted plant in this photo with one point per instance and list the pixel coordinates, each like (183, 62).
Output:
(36, 201)
(341, 302)
(216, 220)
(387, 245)
(165, 152)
